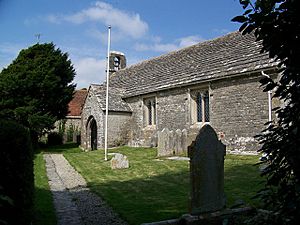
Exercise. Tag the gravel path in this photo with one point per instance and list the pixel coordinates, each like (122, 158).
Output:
(73, 201)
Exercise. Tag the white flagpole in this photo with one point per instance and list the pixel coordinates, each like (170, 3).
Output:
(107, 85)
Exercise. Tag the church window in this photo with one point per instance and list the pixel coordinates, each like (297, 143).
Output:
(150, 115)
(200, 107)
(206, 106)
(150, 111)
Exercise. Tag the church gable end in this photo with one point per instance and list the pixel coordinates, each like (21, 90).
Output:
(93, 118)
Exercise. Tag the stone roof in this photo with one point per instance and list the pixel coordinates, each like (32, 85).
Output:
(76, 104)
(230, 55)
(115, 101)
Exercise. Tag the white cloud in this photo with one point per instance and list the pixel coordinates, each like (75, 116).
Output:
(142, 47)
(53, 19)
(10, 48)
(97, 34)
(102, 36)
(30, 21)
(156, 47)
(89, 70)
(190, 40)
(168, 47)
(8, 52)
(155, 39)
(128, 23)
(221, 31)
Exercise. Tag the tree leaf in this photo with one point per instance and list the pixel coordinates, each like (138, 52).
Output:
(245, 3)
(247, 12)
(240, 19)
(244, 25)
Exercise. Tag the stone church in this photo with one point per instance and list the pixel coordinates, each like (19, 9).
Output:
(214, 82)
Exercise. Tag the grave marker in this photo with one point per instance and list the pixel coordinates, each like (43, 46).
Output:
(207, 172)
(119, 161)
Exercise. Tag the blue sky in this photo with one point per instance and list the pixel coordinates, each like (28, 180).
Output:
(141, 29)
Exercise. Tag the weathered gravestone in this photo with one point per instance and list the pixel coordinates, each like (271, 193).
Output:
(207, 203)
(163, 143)
(207, 172)
(119, 161)
(178, 142)
(171, 142)
(184, 140)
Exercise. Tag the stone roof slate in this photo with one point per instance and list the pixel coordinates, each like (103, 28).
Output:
(115, 101)
(230, 55)
(76, 104)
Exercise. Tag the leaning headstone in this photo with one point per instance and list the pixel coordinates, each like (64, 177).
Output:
(119, 161)
(207, 172)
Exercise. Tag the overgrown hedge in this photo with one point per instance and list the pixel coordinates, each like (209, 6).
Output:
(16, 174)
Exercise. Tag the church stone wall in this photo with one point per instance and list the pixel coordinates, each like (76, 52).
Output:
(171, 106)
(139, 135)
(172, 109)
(91, 108)
(118, 128)
(239, 109)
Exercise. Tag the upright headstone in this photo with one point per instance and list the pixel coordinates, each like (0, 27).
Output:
(184, 140)
(153, 142)
(207, 172)
(163, 142)
(171, 144)
(178, 144)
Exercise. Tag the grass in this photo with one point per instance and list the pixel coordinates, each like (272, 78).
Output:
(155, 189)
(242, 179)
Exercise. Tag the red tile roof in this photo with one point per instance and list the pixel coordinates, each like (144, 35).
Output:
(75, 105)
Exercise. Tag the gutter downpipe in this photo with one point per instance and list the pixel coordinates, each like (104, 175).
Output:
(269, 97)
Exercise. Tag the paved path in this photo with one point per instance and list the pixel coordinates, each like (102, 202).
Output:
(73, 201)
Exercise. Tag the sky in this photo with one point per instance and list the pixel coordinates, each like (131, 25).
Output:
(141, 29)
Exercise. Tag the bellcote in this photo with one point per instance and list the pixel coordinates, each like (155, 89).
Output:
(117, 61)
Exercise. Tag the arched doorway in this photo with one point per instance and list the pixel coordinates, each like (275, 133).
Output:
(93, 133)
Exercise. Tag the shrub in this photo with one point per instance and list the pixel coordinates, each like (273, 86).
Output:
(16, 172)
(54, 138)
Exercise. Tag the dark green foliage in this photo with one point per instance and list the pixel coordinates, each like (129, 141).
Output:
(36, 87)
(16, 172)
(54, 138)
(277, 24)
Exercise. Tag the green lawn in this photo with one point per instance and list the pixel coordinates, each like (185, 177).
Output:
(156, 189)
